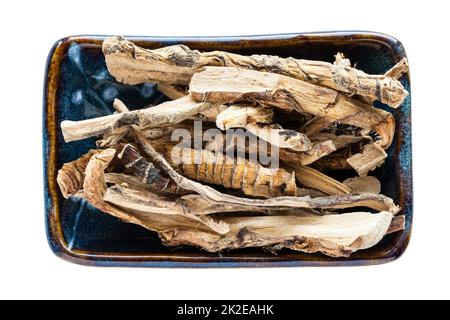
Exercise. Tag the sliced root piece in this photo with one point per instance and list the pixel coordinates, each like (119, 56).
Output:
(313, 178)
(333, 235)
(369, 159)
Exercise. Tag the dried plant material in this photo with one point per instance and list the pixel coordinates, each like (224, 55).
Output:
(71, 176)
(154, 166)
(238, 116)
(312, 178)
(317, 151)
(171, 112)
(316, 124)
(148, 202)
(279, 137)
(340, 141)
(252, 178)
(368, 184)
(332, 162)
(398, 70)
(119, 106)
(230, 85)
(333, 235)
(147, 173)
(376, 202)
(398, 224)
(94, 190)
(176, 64)
(369, 159)
(171, 91)
(382, 87)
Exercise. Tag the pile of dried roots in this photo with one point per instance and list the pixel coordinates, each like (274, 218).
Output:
(215, 192)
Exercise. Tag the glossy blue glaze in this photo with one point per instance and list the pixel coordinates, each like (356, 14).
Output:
(86, 90)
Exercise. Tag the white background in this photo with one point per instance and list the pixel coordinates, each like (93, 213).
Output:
(28, 269)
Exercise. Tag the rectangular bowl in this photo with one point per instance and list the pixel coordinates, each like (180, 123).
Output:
(78, 86)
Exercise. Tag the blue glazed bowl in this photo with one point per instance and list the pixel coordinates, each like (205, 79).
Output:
(78, 86)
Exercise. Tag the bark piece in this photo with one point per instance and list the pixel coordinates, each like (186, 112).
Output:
(70, 177)
(171, 112)
(368, 184)
(176, 64)
(369, 159)
(333, 235)
(230, 85)
(376, 202)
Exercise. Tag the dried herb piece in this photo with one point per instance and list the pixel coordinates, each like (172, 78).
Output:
(238, 116)
(176, 64)
(230, 85)
(171, 112)
(369, 159)
(333, 235)
(312, 178)
(252, 178)
(71, 176)
(376, 202)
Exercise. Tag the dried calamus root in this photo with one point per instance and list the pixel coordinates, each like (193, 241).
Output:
(252, 178)
(231, 85)
(374, 201)
(176, 64)
(314, 116)
(333, 235)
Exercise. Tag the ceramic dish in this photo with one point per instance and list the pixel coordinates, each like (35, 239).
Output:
(78, 86)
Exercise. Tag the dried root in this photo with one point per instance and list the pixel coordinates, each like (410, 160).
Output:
(315, 117)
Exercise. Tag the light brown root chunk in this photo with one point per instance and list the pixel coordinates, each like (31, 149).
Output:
(171, 112)
(176, 64)
(230, 85)
(251, 178)
(239, 116)
(369, 159)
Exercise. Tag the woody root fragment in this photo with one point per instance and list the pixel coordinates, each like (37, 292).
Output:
(274, 133)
